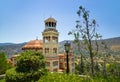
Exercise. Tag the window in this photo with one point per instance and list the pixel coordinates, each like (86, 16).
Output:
(72, 64)
(61, 65)
(47, 39)
(46, 50)
(48, 64)
(55, 63)
(54, 50)
(54, 39)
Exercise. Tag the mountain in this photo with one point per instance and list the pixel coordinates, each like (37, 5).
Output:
(111, 43)
(12, 49)
(5, 44)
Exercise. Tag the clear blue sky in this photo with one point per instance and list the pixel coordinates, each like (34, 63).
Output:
(23, 20)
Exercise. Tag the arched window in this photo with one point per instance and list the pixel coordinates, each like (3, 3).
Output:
(54, 50)
(46, 50)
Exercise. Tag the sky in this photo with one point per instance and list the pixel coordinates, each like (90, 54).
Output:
(23, 20)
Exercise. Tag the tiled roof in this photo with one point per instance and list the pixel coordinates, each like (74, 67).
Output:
(50, 20)
(34, 44)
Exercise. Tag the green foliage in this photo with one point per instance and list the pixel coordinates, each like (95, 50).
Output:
(3, 63)
(30, 61)
(30, 67)
(2, 80)
(86, 31)
(56, 77)
(13, 76)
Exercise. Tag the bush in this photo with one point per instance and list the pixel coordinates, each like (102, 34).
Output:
(56, 77)
(30, 67)
(30, 61)
(3, 63)
(13, 76)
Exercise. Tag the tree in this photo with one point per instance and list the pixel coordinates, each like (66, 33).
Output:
(86, 31)
(30, 67)
(3, 63)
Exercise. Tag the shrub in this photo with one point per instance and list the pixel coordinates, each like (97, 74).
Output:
(30, 67)
(13, 76)
(56, 77)
(30, 60)
(3, 63)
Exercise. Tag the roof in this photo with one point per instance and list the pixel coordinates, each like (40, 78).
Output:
(50, 20)
(34, 44)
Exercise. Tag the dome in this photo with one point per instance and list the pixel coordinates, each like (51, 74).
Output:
(50, 20)
(34, 44)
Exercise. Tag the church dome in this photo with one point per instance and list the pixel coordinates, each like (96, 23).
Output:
(50, 20)
(34, 44)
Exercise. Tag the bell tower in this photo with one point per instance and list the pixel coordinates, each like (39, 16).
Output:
(50, 44)
(50, 37)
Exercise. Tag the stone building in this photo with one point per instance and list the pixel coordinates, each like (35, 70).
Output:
(49, 47)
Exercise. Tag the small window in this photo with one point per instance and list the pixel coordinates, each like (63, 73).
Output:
(55, 63)
(48, 64)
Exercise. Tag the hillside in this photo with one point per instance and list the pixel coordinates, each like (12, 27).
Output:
(12, 49)
(111, 43)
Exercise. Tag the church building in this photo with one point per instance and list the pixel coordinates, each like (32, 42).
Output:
(55, 62)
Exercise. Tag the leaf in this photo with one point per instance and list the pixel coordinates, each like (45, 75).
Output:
(94, 21)
(75, 35)
(78, 34)
(84, 41)
(78, 12)
(70, 33)
(80, 7)
(84, 36)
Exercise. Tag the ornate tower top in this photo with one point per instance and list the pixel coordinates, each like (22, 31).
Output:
(50, 23)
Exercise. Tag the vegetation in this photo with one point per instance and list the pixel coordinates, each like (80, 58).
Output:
(86, 31)
(30, 67)
(11, 49)
(2, 80)
(104, 64)
(55, 77)
(3, 63)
